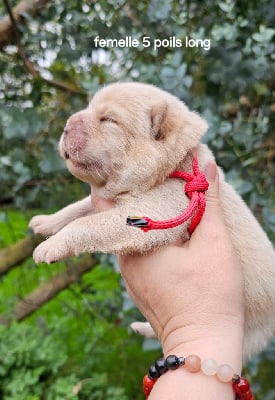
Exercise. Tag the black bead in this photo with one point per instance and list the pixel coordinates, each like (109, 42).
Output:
(153, 373)
(236, 378)
(172, 362)
(161, 366)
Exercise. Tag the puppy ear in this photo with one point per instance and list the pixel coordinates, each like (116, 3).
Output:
(187, 125)
(159, 123)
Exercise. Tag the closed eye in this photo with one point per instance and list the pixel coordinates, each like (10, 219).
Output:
(108, 118)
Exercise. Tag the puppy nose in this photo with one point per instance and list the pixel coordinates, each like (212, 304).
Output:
(74, 125)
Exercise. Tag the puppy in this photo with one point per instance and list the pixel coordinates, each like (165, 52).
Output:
(125, 145)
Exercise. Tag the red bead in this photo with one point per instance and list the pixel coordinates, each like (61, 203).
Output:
(148, 384)
(247, 395)
(241, 387)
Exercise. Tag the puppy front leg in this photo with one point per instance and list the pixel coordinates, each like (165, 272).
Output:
(47, 225)
(105, 232)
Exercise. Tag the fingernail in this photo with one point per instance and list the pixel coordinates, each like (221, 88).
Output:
(211, 172)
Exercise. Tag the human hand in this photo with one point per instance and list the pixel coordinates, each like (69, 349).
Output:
(192, 293)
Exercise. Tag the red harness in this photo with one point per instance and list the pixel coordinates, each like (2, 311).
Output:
(195, 188)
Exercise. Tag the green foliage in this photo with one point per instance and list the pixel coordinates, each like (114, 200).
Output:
(231, 84)
(22, 365)
(33, 366)
(12, 226)
(78, 346)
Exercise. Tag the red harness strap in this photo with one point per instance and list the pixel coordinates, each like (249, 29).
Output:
(195, 188)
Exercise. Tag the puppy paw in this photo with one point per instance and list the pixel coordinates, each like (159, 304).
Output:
(52, 250)
(44, 225)
(144, 329)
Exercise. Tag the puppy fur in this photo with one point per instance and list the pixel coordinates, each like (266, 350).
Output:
(125, 144)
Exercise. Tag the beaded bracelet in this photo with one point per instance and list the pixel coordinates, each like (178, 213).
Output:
(193, 363)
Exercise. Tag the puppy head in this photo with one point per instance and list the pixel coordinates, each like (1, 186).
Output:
(130, 137)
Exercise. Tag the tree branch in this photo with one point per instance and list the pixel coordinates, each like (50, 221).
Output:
(24, 7)
(48, 290)
(28, 65)
(15, 254)
(26, 61)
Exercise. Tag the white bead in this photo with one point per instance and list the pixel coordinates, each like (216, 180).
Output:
(225, 373)
(209, 366)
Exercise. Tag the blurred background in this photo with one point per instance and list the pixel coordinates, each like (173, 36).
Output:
(64, 328)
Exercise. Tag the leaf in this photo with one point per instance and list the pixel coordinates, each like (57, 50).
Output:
(6, 160)
(225, 127)
(181, 71)
(261, 88)
(19, 124)
(159, 9)
(226, 6)
(264, 35)
(15, 124)
(51, 162)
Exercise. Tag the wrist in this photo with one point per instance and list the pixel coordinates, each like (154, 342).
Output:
(224, 344)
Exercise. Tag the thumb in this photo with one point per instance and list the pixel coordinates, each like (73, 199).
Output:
(212, 218)
(212, 194)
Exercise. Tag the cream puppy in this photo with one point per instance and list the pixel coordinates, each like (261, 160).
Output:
(125, 144)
